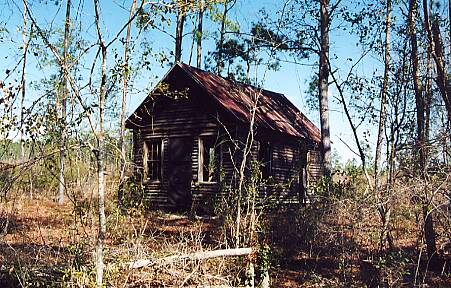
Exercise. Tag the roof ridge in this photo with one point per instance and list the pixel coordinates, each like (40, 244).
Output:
(181, 64)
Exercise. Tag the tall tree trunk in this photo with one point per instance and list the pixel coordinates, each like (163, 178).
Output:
(125, 78)
(324, 86)
(100, 154)
(384, 210)
(64, 95)
(442, 74)
(181, 15)
(384, 91)
(419, 101)
(398, 115)
(199, 33)
(449, 17)
(437, 52)
(23, 80)
(101, 177)
(429, 232)
(219, 60)
(429, 77)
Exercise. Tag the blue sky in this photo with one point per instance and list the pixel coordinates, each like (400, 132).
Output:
(291, 79)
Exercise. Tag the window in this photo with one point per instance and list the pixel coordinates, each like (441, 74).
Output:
(265, 158)
(209, 156)
(154, 159)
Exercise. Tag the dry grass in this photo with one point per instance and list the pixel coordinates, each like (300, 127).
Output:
(49, 243)
(325, 246)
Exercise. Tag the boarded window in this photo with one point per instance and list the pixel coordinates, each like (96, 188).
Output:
(154, 159)
(209, 160)
(265, 159)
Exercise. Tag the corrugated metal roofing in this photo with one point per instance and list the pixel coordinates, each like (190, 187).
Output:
(274, 111)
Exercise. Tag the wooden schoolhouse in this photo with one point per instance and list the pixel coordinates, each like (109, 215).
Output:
(190, 132)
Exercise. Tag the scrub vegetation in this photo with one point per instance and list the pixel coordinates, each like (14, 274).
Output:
(73, 212)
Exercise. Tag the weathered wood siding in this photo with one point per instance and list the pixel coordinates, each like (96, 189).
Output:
(183, 118)
(283, 185)
(285, 170)
(186, 118)
(315, 168)
(172, 119)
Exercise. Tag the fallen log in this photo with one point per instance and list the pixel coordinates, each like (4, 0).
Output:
(201, 255)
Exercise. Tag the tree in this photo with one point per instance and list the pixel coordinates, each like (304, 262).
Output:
(100, 152)
(383, 210)
(436, 49)
(181, 7)
(99, 134)
(125, 78)
(323, 86)
(244, 50)
(199, 33)
(64, 93)
(420, 141)
(228, 5)
(23, 83)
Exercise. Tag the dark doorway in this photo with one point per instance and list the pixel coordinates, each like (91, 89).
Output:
(180, 172)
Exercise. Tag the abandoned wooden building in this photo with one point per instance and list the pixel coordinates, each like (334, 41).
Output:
(190, 132)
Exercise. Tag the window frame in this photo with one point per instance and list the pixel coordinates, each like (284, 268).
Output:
(150, 151)
(201, 159)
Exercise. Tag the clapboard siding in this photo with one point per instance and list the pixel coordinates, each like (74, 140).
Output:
(285, 161)
(286, 165)
(172, 119)
(195, 114)
(315, 168)
(184, 119)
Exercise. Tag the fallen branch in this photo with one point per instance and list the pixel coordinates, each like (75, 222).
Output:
(194, 256)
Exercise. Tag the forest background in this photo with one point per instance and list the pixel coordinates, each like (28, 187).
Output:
(377, 71)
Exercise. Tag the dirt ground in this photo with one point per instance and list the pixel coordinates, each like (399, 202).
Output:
(47, 244)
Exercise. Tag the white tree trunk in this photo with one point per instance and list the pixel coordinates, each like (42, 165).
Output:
(23, 80)
(125, 78)
(100, 153)
(63, 94)
(324, 86)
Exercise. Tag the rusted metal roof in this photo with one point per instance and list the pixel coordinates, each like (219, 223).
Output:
(274, 111)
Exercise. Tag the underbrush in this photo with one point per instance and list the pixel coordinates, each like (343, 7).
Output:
(331, 242)
(42, 252)
(335, 241)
